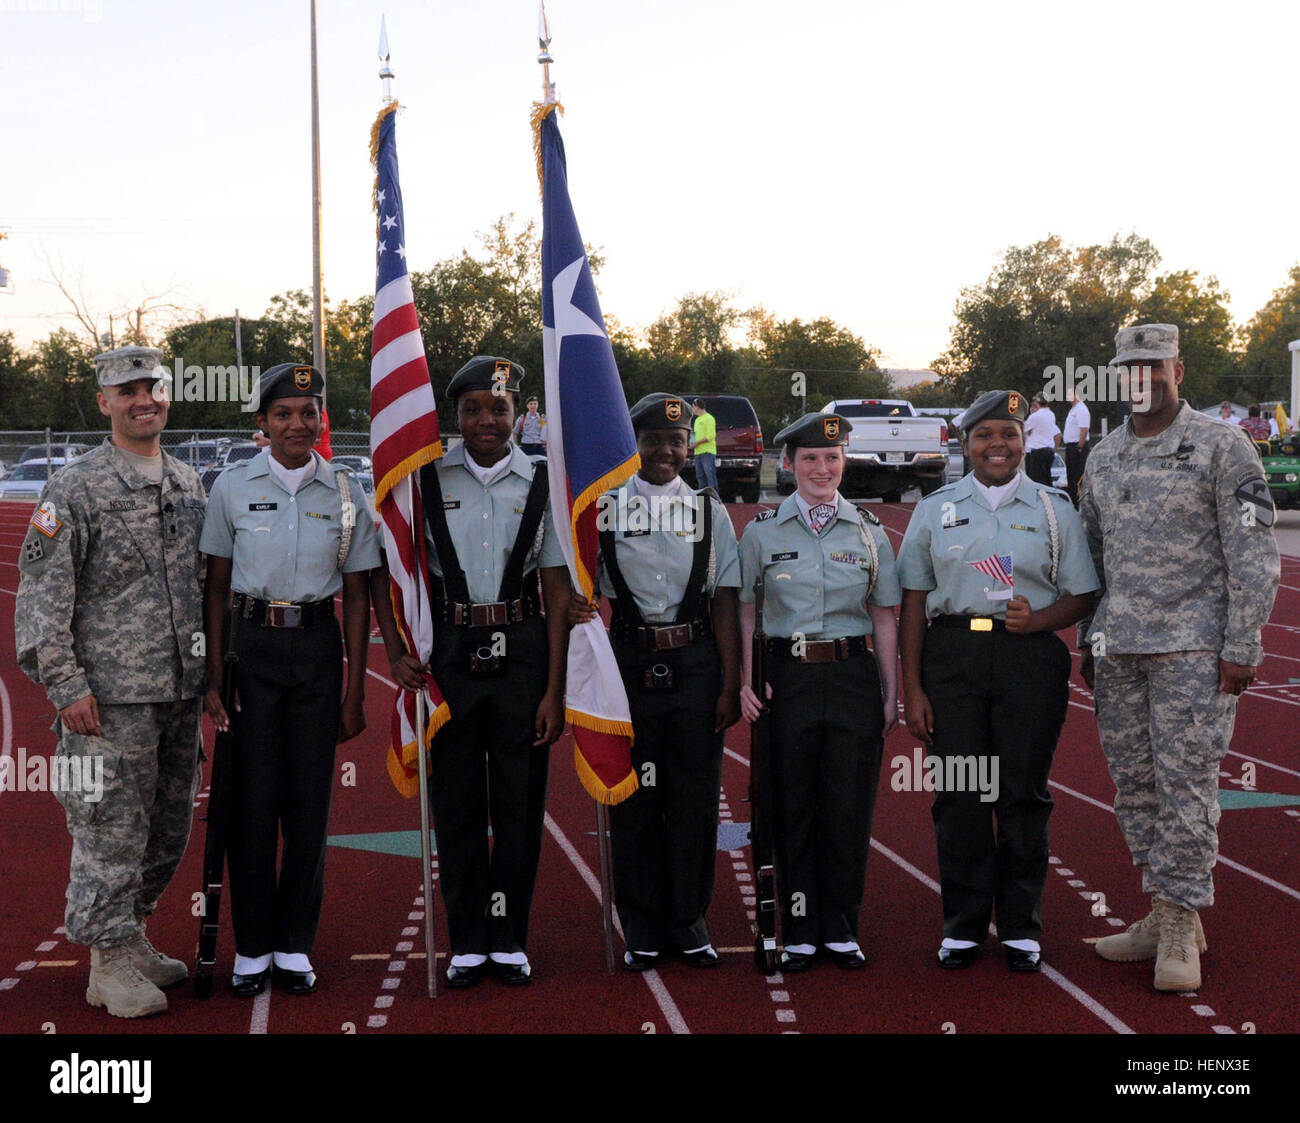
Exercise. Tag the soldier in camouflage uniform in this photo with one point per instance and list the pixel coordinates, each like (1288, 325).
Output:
(109, 620)
(1179, 521)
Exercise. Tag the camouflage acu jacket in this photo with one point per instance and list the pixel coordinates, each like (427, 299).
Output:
(110, 597)
(1180, 526)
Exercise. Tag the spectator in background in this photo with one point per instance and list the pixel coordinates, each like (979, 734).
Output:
(1077, 422)
(1255, 425)
(705, 445)
(1226, 415)
(1042, 439)
(530, 430)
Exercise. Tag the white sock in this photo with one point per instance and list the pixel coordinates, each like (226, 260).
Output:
(1022, 945)
(958, 945)
(295, 961)
(802, 949)
(246, 965)
(509, 958)
(471, 960)
(702, 947)
(852, 945)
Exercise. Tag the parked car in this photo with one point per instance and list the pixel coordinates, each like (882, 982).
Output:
(358, 464)
(740, 446)
(63, 452)
(27, 480)
(235, 452)
(201, 454)
(891, 448)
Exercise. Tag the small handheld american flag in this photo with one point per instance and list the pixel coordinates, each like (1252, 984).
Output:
(997, 567)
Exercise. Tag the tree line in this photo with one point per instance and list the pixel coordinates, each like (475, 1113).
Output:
(1040, 305)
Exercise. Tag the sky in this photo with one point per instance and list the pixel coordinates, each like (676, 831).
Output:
(859, 160)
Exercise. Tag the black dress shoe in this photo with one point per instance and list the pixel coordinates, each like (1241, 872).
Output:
(462, 978)
(849, 960)
(702, 957)
(514, 974)
(296, 982)
(639, 960)
(1026, 961)
(796, 961)
(957, 958)
(249, 986)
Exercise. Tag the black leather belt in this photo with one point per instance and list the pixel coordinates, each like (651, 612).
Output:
(492, 614)
(660, 637)
(283, 614)
(815, 650)
(971, 623)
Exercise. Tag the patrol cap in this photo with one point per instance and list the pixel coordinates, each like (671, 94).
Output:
(661, 411)
(483, 372)
(995, 405)
(126, 364)
(1145, 341)
(289, 380)
(815, 430)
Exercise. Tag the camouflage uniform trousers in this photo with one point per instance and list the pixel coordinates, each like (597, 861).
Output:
(126, 846)
(1165, 729)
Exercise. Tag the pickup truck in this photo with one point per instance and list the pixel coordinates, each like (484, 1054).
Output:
(891, 448)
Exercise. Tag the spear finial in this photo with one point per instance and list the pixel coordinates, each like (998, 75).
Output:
(385, 71)
(544, 56)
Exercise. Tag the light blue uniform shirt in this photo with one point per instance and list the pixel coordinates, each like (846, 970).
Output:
(955, 526)
(654, 542)
(282, 546)
(483, 520)
(816, 584)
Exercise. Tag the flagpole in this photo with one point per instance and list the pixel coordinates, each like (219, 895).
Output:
(317, 323)
(606, 863)
(415, 519)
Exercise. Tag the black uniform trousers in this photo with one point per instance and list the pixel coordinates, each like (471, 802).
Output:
(827, 720)
(486, 770)
(665, 836)
(1038, 465)
(995, 695)
(289, 684)
(1076, 461)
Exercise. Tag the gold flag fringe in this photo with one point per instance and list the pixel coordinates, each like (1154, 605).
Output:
(601, 794)
(541, 110)
(409, 785)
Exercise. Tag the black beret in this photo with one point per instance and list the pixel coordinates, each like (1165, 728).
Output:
(995, 405)
(661, 411)
(289, 380)
(816, 430)
(483, 372)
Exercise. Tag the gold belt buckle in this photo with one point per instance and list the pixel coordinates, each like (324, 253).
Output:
(981, 624)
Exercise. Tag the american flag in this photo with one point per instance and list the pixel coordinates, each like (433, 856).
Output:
(403, 438)
(998, 567)
(591, 448)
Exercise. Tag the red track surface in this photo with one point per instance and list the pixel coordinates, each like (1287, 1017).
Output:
(369, 950)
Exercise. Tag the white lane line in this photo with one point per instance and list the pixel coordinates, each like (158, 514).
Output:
(776, 986)
(261, 1011)
(1261, 877)
(671, 1014)
(1079, 995)
(11, 592)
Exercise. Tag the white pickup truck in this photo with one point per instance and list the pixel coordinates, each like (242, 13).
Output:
(891, 448)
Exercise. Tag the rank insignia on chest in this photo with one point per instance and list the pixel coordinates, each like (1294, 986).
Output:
(264, 506)
(787, 555)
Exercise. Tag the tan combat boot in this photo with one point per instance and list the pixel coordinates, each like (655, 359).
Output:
(1178, 958)
(159, 969)
(116, 983)
(1141, 941)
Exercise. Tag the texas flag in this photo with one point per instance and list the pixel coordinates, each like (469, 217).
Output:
(591, 448)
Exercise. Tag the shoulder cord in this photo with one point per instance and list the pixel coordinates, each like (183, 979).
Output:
(343, 477)
(711, 580)
(869, 541)
(1054, 533)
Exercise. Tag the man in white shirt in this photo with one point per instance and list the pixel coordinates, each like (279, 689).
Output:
(1042, 437)
(1077, 422)
(1226, 415)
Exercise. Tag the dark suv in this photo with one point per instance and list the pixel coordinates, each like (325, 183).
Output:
(740, 446)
